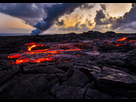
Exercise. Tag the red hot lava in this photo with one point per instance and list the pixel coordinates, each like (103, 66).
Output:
(41, 55)
(122, 39)
(129, 40)
(121, 42)
(37, 52)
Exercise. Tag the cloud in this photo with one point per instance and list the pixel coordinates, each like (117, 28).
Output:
(127, 18)
(89, 22)
(43, 16)
(103, 6)
(78, 27)
(102, 16)
(20, 10)
(129, 26)
(60, 23)
(99, 15)
(103, 21)
(44, 13)
(71, 28)
(30, 13)
(53, 14)
(87, 6)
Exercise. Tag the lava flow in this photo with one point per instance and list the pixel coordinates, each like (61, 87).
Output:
(64, 52)
(33, 54)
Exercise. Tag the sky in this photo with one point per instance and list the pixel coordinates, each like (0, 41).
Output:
(59, 18)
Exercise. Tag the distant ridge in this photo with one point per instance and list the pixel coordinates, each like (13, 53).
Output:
(91, 32)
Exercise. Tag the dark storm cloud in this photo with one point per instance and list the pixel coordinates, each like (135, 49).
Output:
(44, 13)
(60, 23)
(53, 13)
(129, 26)
(30, 13)
(102, 17)
(99, 15)
(20, 10)
(127, 18)
(103, 6)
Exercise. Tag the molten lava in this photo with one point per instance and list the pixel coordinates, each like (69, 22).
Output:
(125, 40)
(122, 39)
(39, 52)
(40, 55)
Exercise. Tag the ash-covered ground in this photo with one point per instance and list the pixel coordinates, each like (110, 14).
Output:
(91, 65)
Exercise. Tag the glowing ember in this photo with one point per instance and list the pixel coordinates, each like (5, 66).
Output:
(119, 45)
(14, 55)
(126, 39)
(122, 39)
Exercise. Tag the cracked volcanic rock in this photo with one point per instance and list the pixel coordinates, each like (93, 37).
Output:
(102, 72)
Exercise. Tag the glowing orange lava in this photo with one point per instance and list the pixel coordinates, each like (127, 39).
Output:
(39, 52)
(122, 39)
(39, 55)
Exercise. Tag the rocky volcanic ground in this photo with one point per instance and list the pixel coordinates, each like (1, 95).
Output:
(105, 71)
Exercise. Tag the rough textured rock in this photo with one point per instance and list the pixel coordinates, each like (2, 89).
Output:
(7, 74)
(102, 70)
(95, 94)
(28, 86)
(77, 79)
(116, 81)
(44, 69)
(69, 92)
(67, 75)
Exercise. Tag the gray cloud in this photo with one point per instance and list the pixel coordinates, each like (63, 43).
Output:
(77, 27)
(72, 28)
(60, 23)
(103, 6)
(99, 15)
(53, 14)
(131, 26)
(47, 14)
(89, 22)
(30, 13)
(123, 22)
(44, 13)
(87, 6)
(102, 17)
(127, 18)
(21, 10)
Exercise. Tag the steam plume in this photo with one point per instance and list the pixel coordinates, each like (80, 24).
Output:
(53, 13)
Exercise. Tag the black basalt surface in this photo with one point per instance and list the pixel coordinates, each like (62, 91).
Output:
(105, 72)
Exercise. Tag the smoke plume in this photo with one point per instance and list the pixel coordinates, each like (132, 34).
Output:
(53, 14)
(46, 14)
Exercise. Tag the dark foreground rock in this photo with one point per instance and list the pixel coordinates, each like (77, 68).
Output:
(116, 81)
(92, 82)
(104, 72)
